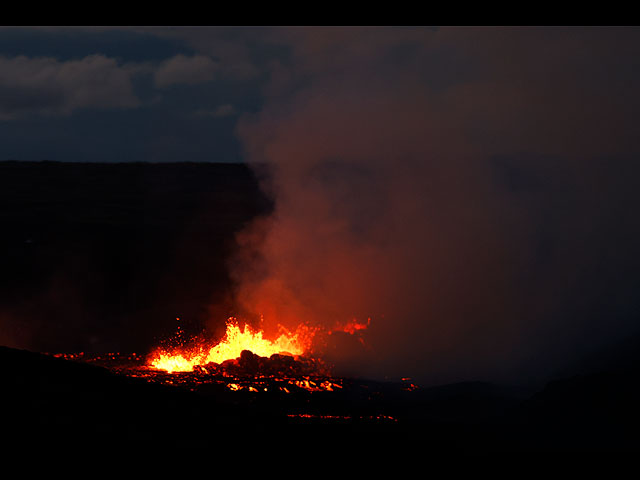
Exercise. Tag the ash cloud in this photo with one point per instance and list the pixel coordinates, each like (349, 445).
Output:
(470, 190)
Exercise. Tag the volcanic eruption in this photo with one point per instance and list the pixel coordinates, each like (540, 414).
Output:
(246, 350)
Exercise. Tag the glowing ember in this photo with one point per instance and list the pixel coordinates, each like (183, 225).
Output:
(342, 417)
(352, 327)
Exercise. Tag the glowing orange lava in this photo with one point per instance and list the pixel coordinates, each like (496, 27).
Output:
(236, 340)
(352, 326)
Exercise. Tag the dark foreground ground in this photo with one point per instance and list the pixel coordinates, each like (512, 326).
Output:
(102, 258)
(49, 402)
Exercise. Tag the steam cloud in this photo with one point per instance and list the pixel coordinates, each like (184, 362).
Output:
(473, 195)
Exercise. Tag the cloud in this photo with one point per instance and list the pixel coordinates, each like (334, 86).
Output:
(48, 86)
(226, 110)
(183, 70)
(240, 53)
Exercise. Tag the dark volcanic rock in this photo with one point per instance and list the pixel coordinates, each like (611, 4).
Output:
(285, 364)
(50, 399)
(250, 364)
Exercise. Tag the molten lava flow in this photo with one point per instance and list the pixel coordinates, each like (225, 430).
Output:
(237, 340)
(231, 346)
(175, 362)
(245, 352)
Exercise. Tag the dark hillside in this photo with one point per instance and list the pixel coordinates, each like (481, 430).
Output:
(105, 256)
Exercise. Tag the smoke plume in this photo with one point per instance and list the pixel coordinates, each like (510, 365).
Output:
(469, 190)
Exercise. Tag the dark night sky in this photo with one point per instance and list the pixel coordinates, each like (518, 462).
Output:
(473, 190)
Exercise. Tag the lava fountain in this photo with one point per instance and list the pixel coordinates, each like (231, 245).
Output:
(238, 339)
